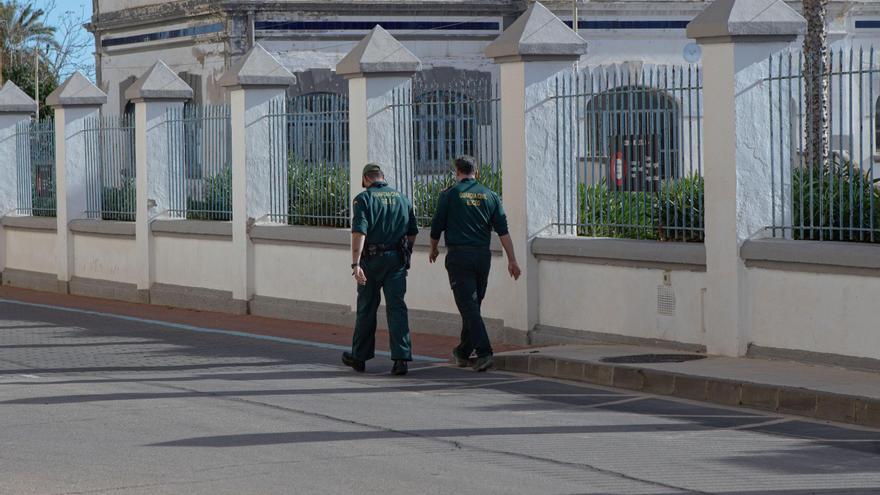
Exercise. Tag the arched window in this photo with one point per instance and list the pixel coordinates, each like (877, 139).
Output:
(636, 131)
(318, 128)
(444, 126)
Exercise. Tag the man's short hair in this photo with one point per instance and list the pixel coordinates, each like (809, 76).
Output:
(466, 165)
(373, 171)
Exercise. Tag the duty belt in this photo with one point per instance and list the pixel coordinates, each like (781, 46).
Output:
(476, 249)
(380, 250)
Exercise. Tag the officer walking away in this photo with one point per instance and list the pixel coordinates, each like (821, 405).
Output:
(468, 212)
(383, 230)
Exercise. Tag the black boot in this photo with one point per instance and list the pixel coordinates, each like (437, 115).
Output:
(400, 367)
(357, 365)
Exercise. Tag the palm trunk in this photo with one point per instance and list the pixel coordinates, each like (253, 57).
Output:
(816, 77)
(1, 67)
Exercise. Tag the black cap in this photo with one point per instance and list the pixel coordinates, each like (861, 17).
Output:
(371, 168)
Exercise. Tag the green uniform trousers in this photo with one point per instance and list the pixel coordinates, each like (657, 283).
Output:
(384, 272)
(469, 278)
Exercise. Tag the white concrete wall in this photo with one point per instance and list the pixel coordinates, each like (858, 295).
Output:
(320, 274)
(193, 262)
(303, 273)
(620, 300)
(31, 250)
(105, 258)
(824, 313)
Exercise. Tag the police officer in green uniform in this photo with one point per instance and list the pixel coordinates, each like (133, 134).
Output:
(383, 230)
(468, 212)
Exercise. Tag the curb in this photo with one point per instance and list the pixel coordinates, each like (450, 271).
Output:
(774, 398)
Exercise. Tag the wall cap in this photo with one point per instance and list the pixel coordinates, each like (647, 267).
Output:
(257, 68)
(102, 227)
(746, 20)
(77, 90)
(378, 53)
(159, 83)
(686, 254)
(48, 224)
(537, 35)
(192, 228)
(14, 100)
(816, 253)
(302, 234)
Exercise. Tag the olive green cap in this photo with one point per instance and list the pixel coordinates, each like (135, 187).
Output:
(372, 167)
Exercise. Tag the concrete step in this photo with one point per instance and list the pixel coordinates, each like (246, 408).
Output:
(820, 392)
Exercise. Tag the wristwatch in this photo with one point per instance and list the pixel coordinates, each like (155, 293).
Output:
(355, 265)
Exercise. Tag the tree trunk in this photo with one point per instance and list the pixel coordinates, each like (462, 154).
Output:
(1, 67)
(816, 77)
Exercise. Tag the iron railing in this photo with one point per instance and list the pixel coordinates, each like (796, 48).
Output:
(35, 152)
(110, 167)
(834, 196)
(435, 124)
(200, 161)
(628, 152)
(309, 169)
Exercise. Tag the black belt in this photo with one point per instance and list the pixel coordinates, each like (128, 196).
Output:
(475, 249)
(379, 248)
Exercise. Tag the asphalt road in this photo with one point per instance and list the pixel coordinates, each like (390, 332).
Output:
(96, 404)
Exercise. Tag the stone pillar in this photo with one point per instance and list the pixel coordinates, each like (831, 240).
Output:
(736, 46)
(531, 52)
(16, 108)
(154, 94)
(257, 84)
(74, 101)
(376, 68)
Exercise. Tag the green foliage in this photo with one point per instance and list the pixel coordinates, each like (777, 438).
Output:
(427, 189)
(318, 194)
(118, 203)
(830, 202)
(22, 28)
(216, 199)
(44, 204)
(673, 213)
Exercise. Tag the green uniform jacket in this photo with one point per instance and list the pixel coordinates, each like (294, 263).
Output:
(383, 215)
(468, 212)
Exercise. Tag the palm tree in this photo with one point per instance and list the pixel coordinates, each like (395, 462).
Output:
(816, 76)
(21, 25)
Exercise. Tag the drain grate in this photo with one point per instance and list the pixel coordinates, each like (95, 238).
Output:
(653, 358)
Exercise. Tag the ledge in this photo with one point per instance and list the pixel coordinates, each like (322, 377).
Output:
(295, 234)
(622, 252)
(45, 224)
(192, 228)
(103, 227)
(332, 237)
(812, 256)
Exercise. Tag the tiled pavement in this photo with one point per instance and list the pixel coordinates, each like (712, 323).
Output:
(92, 404)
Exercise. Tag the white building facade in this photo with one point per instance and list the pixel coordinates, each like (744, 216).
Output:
(199, 39)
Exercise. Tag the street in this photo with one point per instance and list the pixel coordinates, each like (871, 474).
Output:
(92, 403)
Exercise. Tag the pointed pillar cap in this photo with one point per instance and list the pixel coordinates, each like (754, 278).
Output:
(14, 100)
(724, 21)
(378, 53)
(159, 83)
(537, 35)
(257, 68)
(76, 91)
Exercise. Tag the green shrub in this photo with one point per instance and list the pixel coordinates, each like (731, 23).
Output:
(216, 202)
(673, 213)
(318, 194)
(44, 204)
(118, 203)
(837, 199)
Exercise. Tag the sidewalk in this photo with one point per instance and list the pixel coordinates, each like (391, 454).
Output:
(434, 346)
(820, 392)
